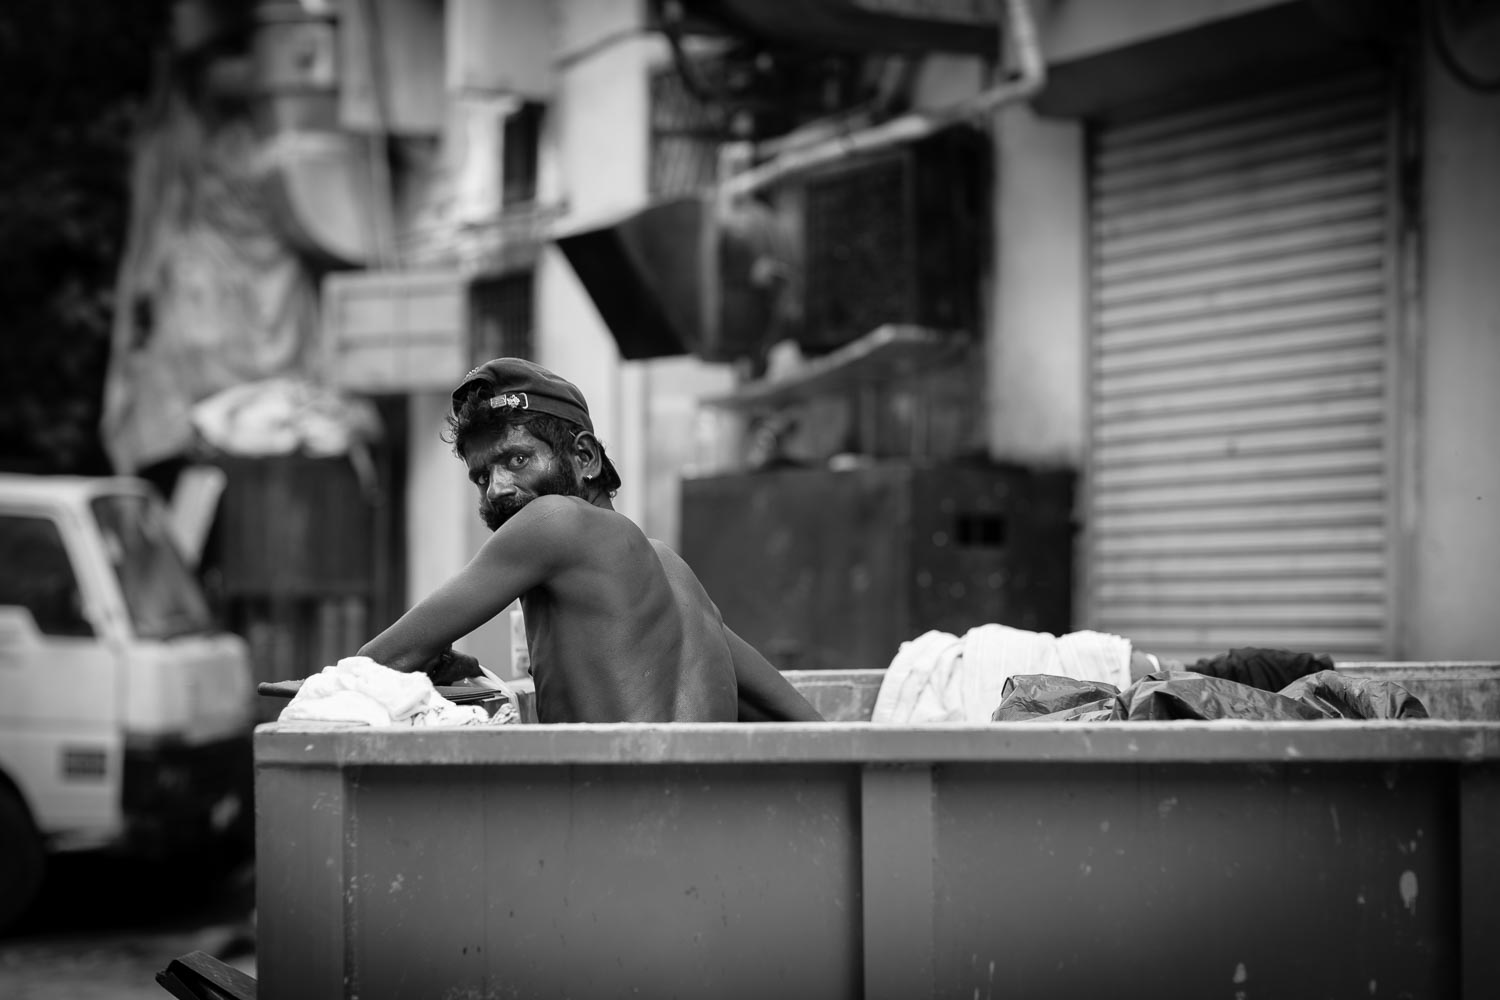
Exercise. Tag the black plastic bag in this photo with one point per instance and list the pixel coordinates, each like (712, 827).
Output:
(1190, 695)
(1050, 698)
(1343, 697)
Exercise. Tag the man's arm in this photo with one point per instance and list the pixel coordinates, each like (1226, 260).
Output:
(522, 554)
(764, 694)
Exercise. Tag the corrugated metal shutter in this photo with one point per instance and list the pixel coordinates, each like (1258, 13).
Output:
(1238, 477)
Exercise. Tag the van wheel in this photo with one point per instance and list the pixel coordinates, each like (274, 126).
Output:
(22, 860)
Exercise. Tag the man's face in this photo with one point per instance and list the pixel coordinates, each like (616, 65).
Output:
(513, 467)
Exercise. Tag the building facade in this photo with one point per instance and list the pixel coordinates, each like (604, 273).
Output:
(1238, 273)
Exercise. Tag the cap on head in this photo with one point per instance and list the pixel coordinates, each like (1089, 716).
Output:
(516, 382)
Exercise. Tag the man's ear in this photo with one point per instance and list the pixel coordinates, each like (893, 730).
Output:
(589, 456)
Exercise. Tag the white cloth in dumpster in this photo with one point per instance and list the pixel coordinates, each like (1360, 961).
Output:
(1174, 694)
(939, 677)
(359, 690)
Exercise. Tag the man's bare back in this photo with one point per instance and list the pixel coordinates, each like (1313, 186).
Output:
(616, 633)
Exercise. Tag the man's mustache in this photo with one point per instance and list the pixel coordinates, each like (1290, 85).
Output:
(498, 512)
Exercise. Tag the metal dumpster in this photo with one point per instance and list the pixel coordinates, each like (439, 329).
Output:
(847, 859)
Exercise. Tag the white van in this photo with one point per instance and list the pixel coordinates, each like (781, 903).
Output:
(125, 715)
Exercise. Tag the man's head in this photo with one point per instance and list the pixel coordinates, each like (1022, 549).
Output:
(525, 432)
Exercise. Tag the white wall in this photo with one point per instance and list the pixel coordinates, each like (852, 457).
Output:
(1454, 587)
(645, 412)
(439, 500)
(599, 137)
(1036, 351)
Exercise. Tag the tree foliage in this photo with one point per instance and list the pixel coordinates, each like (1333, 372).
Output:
(73, 76)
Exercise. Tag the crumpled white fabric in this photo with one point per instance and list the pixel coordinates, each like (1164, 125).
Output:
(359, 690)
(940, 677)
(282, 415)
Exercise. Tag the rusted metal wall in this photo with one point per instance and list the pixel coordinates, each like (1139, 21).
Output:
(843, 860)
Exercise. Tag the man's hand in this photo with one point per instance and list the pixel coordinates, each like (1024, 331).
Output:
(449, 667)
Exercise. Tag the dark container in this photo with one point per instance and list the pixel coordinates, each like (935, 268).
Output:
(822, 569)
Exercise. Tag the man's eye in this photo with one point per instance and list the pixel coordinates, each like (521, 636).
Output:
(515, 461)
(482, 480)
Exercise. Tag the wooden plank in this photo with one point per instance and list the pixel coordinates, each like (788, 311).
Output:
(203, 977)
(896, 833)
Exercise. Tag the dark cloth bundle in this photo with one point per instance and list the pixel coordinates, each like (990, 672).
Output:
(1267, 669)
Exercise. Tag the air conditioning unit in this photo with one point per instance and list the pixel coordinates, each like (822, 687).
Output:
(896, 237)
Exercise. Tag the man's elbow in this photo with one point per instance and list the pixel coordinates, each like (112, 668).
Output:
(386, 657)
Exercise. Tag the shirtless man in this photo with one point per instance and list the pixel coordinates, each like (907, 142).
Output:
(619, 628)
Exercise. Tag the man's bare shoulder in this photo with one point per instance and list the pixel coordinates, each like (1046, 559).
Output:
(562, 522)
(665, 553)
(677, 568)
(549, 522)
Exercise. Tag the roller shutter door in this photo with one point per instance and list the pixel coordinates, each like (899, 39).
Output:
(1239, 462)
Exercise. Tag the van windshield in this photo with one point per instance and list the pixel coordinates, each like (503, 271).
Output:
(163, 596)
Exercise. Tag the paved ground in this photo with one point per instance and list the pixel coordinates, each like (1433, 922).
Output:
(105, 927)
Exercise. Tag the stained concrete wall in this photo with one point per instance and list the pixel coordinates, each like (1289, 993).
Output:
(1036, 350)
(1455, 522)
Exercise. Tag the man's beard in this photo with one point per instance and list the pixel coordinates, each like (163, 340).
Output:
(560, 482)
